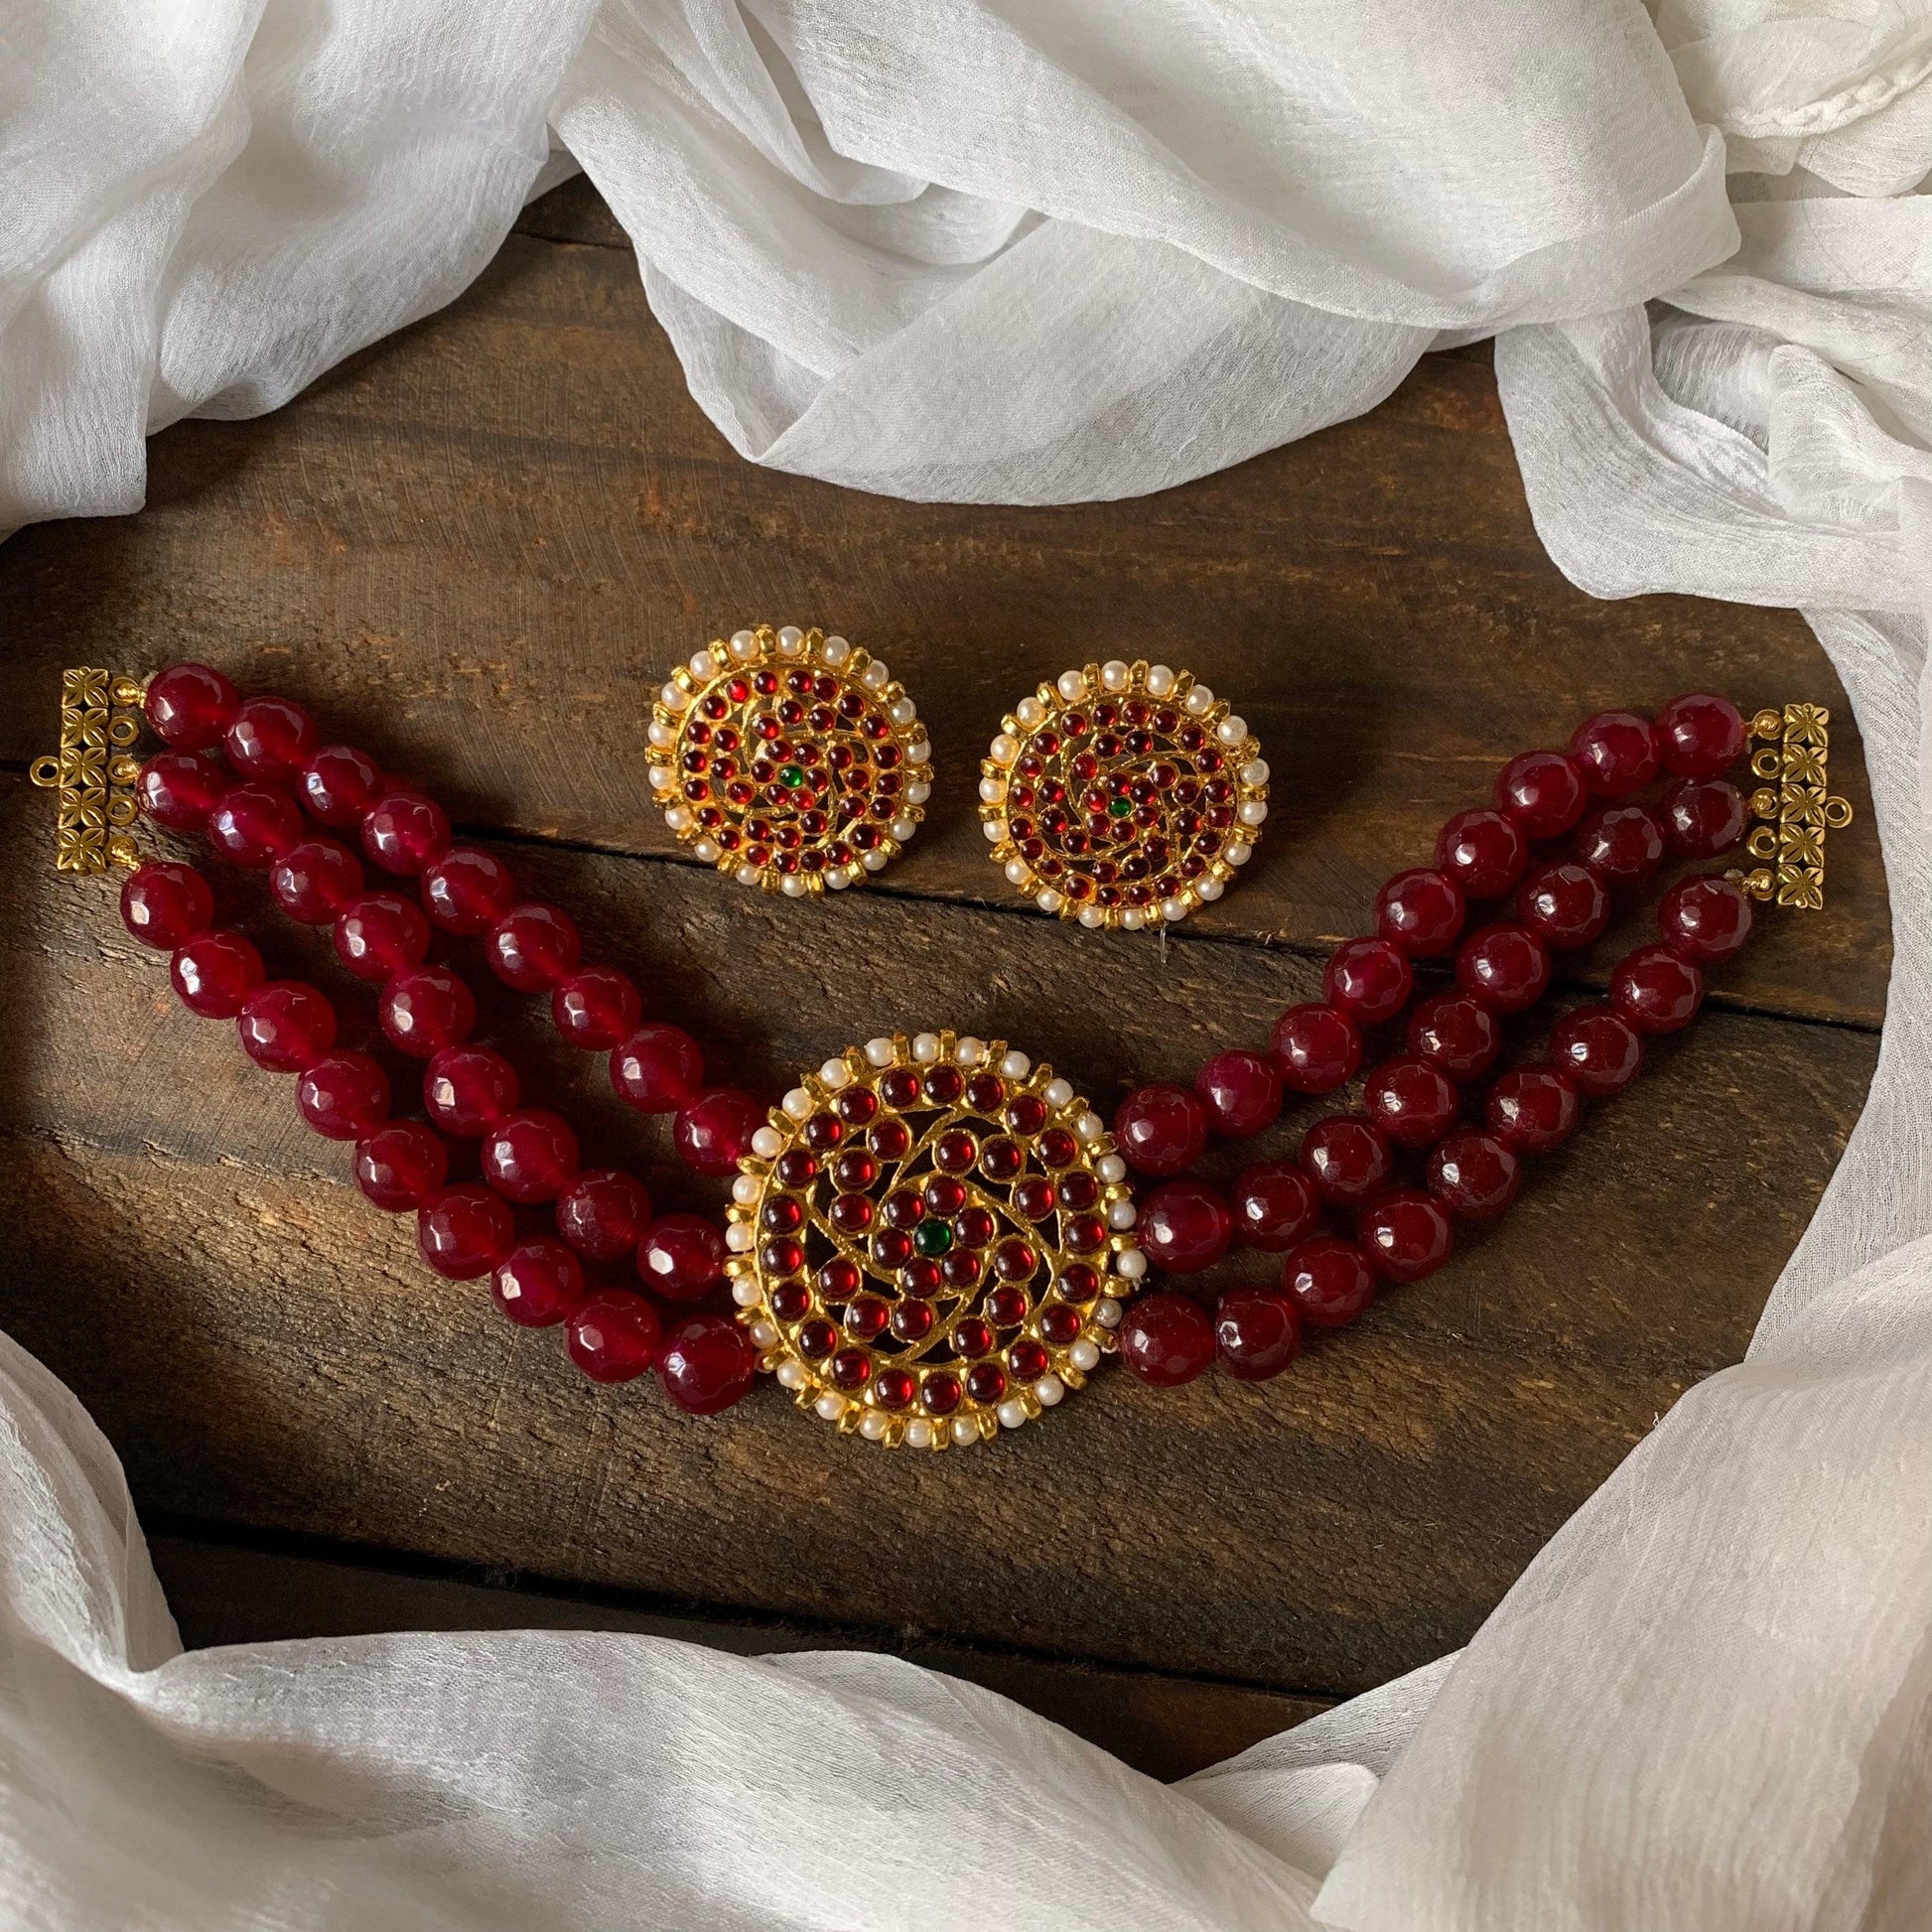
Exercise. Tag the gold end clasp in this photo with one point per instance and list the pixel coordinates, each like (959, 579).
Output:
(1795, 804)
(93, 771)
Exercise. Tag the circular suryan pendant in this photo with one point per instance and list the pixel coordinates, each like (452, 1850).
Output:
(930, 1241)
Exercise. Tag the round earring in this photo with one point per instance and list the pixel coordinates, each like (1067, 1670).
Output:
(1123, 795)
(790, 759)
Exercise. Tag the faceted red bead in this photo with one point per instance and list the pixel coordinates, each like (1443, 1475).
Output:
(270, 738)
(538, 1284)
(1615, 753)
(613, 1336)
(164, 906)
(533, 946)
(1257, 1332)
(1622, 844)
(315, 880)
(1242, 1092)
(604, 1214)
(380, 935)
(1167, 1339)
(1160, 1128)
(286, 1025)
(1656, 990)
(1456, 1033)
(1317, 1047)
(712, 1129)
(1533, 1109)
(1275, 1206)
(402, 832)
(682, 1257)
(401, 1165)
(190, 706)
(1404, 1235)
(465, 1231)
(530, 1156)
(339, 785)
(468, 1089)
(1474, 1175)
(344, 1095)
(1368, 979)
(1564, 905)
(596, 1007)
(1348, 1159)
(467, 891)
(1330, 1281)
(214, 973)
(1543, 791)
(1419, 911)
(707, 1364)
(1596, 1050)
(1483, 852)
(659, 1068)
(1705, 919)
(253, 825)
(178, 789)
(1504, 966)
(1411, 1102)
(426, 1009)
(1701, 820)
(1185, 1226)
(1699, 736)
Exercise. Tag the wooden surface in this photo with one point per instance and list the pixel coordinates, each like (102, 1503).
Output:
(473, 549)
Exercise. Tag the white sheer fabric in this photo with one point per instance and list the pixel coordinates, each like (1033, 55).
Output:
(1031, 253)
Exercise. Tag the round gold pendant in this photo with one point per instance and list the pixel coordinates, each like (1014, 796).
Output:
(931, 1240)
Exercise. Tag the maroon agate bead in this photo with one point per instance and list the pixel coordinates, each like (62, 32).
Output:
(1275, 1206)
(530, 1156)
(1347, 1159)
(1533, 1109)
(286, 1025)
(682, 1257)
(339, 785)
(190, 706)
(426, 1009)
(1597, 1052)
(178, 789)
(1404, 1235)
(1622, 844)
(465, 1231)
(1564, 905)
(604, 1214)
(1419, 911)
(1543, 791)
(253, 825)
(380, 935)
(1317, 1048)
(538, 1284)
(1167, 1339)
(344, 1095)
(1504, 966)
(1703, 819)
(315, 880)
(1368, 979)
(1242, 1092)
(707, 1364)
(1656, 990)
(214, 973)
(1615, 753)
(164, 906)
(1699, 736)
(659, 1068)
(1474, 1175)
(468, 1089)
(533, 946)
(1705, 919)
(1160, 1128)
(270, 738)
(1330, 1281)
(596, 1007)
(1185, 1226)
(403, 832)
(1456, 1033)
(1257, 1332)
(466, 892)
(401, 1165)
(712, 1129)
(1411, 1102)
(1483, 852)
(613, 1336)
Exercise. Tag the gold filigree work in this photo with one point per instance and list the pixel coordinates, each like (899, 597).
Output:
(93, 773)
(1795, 804)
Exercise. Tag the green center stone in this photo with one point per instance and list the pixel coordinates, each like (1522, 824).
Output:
(792, 776)
(932, 1239)
(1119, 807)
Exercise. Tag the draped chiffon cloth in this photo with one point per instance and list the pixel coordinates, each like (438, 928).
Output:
(1032, 253)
